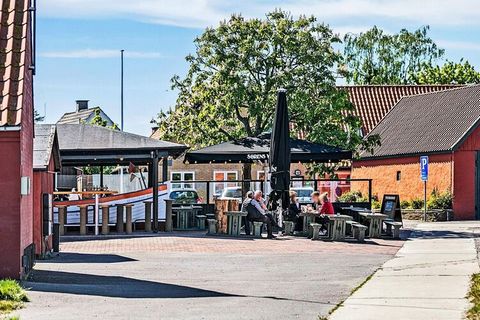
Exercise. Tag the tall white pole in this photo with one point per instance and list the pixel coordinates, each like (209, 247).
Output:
(121, 88)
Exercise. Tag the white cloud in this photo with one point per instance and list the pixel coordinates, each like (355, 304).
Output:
(203, 13)
(99, 53)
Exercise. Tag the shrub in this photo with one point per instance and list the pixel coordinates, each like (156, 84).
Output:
(440, 200)
(405, 204)
(12, 295)
(376, 204)
(417, 203)
(352, 196)
(11, 290)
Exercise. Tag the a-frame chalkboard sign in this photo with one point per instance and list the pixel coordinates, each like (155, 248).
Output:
(391, 207)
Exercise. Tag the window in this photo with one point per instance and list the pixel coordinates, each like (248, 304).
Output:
(399, 175)
(258, 185)
(182, 176)
(224, 176)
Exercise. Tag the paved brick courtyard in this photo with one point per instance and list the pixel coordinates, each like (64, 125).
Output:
(200, 243)
(192, 276)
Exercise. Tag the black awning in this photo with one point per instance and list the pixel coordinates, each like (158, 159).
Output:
(250, 150)
(83, 144)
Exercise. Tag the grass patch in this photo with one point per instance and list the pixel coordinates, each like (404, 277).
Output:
(474, 296)
(12, 296)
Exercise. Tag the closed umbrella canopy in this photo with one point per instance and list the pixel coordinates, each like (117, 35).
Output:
(280, 153)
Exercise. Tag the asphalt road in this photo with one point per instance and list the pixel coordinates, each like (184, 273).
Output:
(202, 285)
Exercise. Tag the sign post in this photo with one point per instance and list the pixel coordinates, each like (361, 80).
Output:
(424, 176)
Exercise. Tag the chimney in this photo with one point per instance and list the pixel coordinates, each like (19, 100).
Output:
(82, 105)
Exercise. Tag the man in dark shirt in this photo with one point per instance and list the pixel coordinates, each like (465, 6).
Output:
(253, 214)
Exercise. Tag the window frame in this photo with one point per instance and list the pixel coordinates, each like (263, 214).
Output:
(182, 185)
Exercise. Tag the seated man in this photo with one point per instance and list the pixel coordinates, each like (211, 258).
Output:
(255, 212)
(248, 199)
(259, 203)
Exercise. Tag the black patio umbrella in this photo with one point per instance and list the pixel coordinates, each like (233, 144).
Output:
(279, 157)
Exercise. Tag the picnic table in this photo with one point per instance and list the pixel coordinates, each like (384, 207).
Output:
(353, 212)
(375, 222)
(308, 218)
(186, 216)
(337, 226)
(234, 222)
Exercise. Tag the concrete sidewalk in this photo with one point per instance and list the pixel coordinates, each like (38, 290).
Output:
(427, 279)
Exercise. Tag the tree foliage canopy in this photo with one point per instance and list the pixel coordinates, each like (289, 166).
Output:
(375, 57)
(230, 90)
(450, 73)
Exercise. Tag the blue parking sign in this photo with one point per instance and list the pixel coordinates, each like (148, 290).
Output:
(424, 167)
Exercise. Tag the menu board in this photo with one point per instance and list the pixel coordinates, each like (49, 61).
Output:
(391, 207)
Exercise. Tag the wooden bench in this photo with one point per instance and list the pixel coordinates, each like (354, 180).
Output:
(315, 230)
(396, 228)
(289, 227)
(201, 221)
(212, 226)
(257, 229)
(358, 230)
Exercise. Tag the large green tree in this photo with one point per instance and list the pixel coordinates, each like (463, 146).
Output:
(376, 57)
(230, 89)
(461, 72)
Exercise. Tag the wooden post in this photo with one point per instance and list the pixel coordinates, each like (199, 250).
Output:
(155, 190)
(119, 217)
(83, 219)
(148, 215)
(168, 215)
(105, 212)
(221, 208)
(128, 218)
(62, 212)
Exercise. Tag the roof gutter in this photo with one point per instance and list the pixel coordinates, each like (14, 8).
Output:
(405, 155)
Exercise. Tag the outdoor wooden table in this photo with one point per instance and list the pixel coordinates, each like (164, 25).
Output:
(353, 211)
(337, 226)
(184, 217)
(308, 217)
(375, 221)
(235, 222)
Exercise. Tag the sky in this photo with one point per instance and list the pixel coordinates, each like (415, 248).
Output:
(79, 43)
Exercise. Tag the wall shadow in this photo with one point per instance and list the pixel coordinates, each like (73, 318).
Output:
(72, 257)
(111, 286)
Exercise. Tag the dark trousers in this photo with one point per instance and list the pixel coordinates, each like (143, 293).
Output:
(260, 218)
(323, 221)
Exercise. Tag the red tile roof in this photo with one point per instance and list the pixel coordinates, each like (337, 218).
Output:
(428, 123)
(13, 48)
(372, 102)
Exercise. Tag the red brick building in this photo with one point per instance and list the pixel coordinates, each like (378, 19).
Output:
(46, 161)
(16, 138)
(442, 125)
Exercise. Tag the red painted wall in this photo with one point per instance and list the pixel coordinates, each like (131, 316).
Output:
(42, 183)
(464, 181)
(16, 161)
(10, 264)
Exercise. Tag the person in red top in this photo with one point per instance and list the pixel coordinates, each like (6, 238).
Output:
(327, 207)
